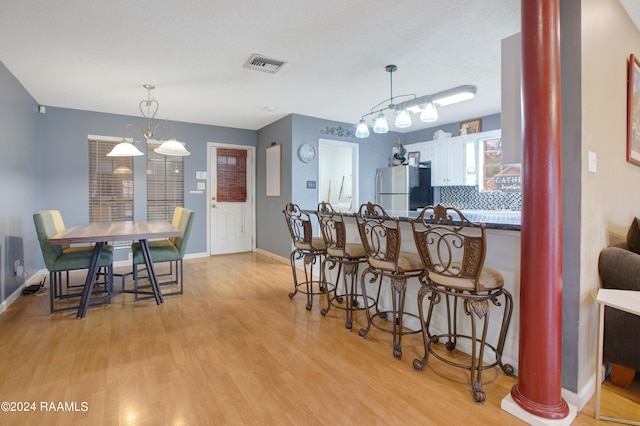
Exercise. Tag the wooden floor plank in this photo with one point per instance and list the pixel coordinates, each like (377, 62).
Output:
(233, 349)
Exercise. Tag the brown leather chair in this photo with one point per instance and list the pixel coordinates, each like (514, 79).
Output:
(389, 266)
(453, 250)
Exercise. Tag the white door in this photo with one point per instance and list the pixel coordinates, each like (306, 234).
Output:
(231, 195)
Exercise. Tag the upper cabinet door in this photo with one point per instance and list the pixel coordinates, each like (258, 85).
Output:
(456, 161)
(439, 163)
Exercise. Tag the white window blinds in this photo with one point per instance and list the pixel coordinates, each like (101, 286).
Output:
(165, 184)
(110, 184)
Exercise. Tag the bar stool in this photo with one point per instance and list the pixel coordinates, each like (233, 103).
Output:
(348, 257)
(308, 248)
(380, 235)
(453, 249)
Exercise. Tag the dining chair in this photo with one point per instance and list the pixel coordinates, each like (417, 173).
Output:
(65, 258)
(348, 256)
(453, 250)
(170, 250)
(389, 266)
(312, 250)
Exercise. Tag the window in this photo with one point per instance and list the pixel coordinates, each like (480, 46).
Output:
(232, 175)
(110, 183)
(165, 184)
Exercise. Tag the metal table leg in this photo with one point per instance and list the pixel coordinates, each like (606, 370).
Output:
(90, 280)
(144, 246)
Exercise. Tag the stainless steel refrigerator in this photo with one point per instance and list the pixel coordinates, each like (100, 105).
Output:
(403, 188)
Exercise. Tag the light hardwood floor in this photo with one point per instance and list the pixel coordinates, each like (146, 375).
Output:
(234, 349)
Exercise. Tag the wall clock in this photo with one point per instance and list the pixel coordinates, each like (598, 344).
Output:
(307, 152)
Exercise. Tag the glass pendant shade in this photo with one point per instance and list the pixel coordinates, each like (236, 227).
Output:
(172, 147)
(362, 130)
(381, 126)
(122, 170)
(429, 113)
(124, 149)
(403, 119)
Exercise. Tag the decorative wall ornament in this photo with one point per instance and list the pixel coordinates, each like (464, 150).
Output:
(338, 131)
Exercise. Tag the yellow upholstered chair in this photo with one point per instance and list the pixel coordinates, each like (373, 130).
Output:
(453, 250)
(170, 250)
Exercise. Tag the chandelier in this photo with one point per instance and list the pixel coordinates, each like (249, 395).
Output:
(426, 105)
(149, 108)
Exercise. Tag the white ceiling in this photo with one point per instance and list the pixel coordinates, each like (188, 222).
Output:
(95, 55)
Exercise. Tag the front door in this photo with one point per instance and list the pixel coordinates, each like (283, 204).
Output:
(231, 205)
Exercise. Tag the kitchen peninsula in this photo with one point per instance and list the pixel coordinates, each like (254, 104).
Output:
(503, 254)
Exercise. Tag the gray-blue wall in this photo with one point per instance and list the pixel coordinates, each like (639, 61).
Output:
(63, 164)
(18, 181)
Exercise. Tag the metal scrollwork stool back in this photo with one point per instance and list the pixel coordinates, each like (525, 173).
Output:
(380, 235)
(453, 250)
(307, 247)
(348, 256)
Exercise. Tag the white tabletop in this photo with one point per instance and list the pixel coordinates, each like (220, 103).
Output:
(625, 300)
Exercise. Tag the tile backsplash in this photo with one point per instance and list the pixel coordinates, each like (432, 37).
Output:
(469, 198)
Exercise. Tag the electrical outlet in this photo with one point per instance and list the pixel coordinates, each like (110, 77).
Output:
(130, 257)
(17, 268)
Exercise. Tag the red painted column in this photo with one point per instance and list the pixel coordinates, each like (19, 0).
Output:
(540, 352)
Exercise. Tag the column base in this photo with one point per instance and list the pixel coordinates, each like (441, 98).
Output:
(509, 405)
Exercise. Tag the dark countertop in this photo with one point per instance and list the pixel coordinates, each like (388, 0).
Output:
(480, 216)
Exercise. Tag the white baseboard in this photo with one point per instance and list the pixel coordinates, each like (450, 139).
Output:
(196, 255)
(33, 279)
(273, 256)
(583, 396)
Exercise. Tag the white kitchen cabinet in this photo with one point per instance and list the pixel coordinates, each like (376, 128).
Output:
(454, 161)
(424, 148)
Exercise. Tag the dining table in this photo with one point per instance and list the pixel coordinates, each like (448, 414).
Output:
(101, 233)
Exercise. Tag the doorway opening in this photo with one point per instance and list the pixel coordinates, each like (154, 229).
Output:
(338, 174)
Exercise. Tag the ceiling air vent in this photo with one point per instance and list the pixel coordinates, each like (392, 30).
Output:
(264, 64)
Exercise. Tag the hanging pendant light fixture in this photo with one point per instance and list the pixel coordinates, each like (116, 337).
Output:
(149, 108)
(381, 125)
(425, 105)
(429, 113)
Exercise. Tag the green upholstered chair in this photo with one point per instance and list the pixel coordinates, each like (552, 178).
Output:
(65, 258)
(167, 250)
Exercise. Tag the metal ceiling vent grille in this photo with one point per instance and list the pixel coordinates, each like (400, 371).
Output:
(264, 64)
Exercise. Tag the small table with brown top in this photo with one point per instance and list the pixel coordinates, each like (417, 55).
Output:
(102, 232)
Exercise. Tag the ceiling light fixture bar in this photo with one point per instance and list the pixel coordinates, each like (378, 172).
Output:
(425, 105)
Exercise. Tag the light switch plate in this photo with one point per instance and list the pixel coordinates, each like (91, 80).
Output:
(593, 167)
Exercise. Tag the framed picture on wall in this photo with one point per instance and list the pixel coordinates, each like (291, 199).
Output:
(414, 158)
(274, 170)
(468, 127)
(633, 112)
